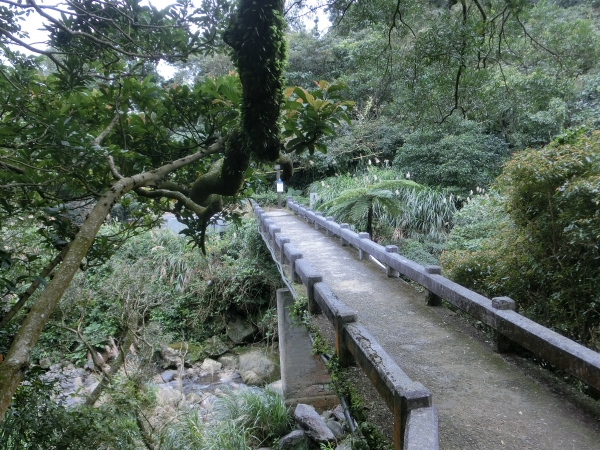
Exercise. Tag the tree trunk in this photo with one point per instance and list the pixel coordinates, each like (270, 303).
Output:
(15, 365)
(32, 288)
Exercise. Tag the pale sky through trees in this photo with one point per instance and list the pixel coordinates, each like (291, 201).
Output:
(33, 25)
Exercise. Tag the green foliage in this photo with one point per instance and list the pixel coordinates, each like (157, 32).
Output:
(256, 34)
(244, 419)
(459, 158)
(544, 253)
(36, 420)
(369, 141)
(421, 225)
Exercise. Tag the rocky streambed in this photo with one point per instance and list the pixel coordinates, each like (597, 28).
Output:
(183, 387)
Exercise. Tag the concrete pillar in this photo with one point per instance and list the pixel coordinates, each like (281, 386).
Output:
(303, 375)
(329, 233)
(344, 226)
(390, 272)
(501, 343)
(432, 299)
(361, 253)
(318, 214)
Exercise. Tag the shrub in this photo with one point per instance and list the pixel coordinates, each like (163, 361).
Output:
(459, 157)
(544, 252)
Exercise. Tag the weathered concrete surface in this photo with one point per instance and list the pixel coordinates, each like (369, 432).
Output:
(484, 400)
(303, 375)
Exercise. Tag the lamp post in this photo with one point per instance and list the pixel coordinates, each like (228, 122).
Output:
(279, 185)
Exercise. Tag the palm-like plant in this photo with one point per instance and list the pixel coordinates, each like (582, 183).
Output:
(354, 205)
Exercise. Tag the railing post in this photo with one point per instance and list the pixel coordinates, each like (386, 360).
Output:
(343, 226)
(282, 242)
(329, 233)
(306, 217)
(390, 272)
(361, 253)
(432, 299)
(318, 214)
(502, 344)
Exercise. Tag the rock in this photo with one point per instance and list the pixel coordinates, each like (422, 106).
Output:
(277, 386)
(257, 369)
(239, 330)
(45, 363)
(168, 375)
(171, 357)
(336, 428)
(215, 347)
(211, 366)
(229, 361)
(314, 426)
(344, 446)
(191, 352)
(168, 397)
(296, 440)
(338, 413)
(193, 398)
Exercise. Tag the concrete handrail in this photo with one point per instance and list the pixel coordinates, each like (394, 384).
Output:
(498, 313)
(409, 401)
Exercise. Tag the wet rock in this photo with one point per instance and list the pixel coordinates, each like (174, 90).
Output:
(240, 330)
(168, 375)
(314, 426)
(256, 368)
(296, 440)
(215, 347)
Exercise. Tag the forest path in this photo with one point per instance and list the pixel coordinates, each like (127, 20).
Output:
(485, 400)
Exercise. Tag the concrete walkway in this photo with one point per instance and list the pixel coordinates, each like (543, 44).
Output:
(485, 400)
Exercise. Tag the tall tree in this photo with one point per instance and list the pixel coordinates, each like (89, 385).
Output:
(99, 126)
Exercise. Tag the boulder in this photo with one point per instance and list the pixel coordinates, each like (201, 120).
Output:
(168, 375)
(257, 369)
(336, 428)
(229, 361)
(296, 440)
(338, 413)
(191, 353)
(171, 357)
(45, 363)
(214, 347)
(310, 420)
(211, 366)
(168, 397)
(240, 330)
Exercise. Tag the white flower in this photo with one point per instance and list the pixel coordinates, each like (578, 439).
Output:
(369, 162)
(376, 160)
(322, 183)
(408, 175)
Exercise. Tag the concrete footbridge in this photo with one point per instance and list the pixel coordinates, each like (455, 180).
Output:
(447, 385)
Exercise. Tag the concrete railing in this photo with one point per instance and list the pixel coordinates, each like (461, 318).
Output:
(499, 312)
(415, 418)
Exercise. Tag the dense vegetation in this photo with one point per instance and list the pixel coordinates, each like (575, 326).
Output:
(472, 143)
